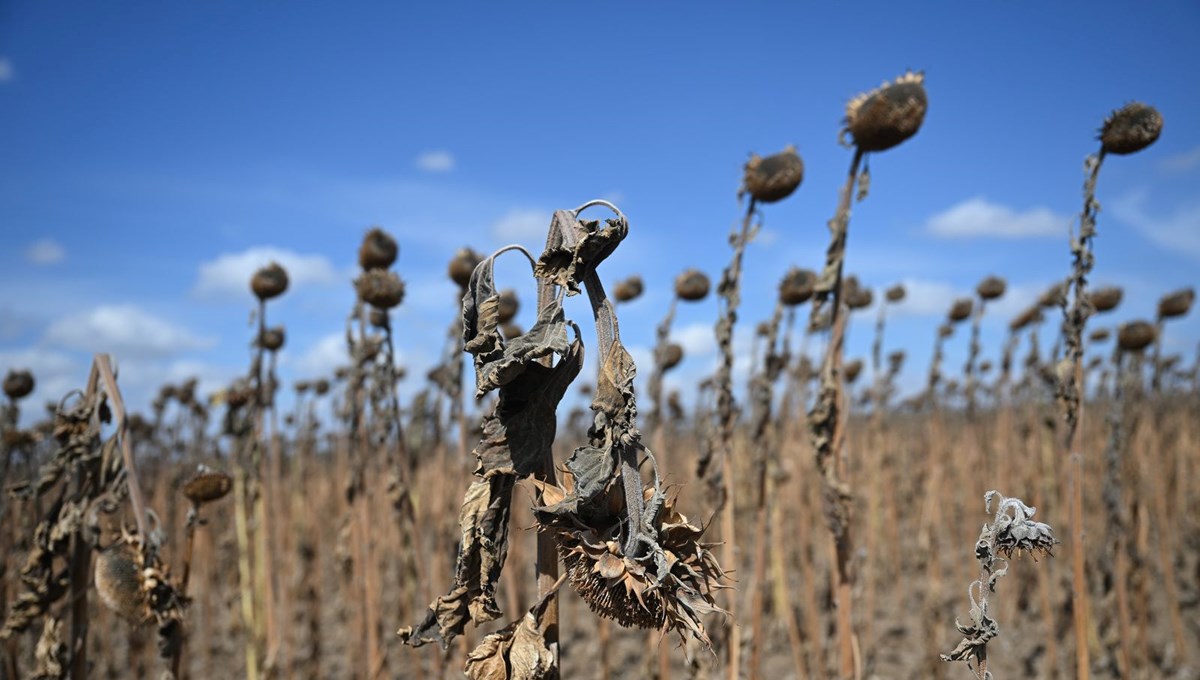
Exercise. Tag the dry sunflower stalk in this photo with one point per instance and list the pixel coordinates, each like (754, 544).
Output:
(88, 477)
(1127, 130)
(875, 121)
(1012, 531)
(628, 553)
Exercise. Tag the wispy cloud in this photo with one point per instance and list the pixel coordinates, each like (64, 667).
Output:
(45, 251)
(7, 72)
(696, 339)
(436, 161)
(124, 330)
(979, 217)
(926, 298)
(322, 357)
(1181, 162)
(522, 225)
(1179, 231)
(228, 276)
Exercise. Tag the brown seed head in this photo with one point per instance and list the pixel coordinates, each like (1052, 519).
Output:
(630, 591)
(1054, 296)
(378, 250)
(238, 394)
(18, 384)
(272, 339)
(207, 485)
(860, 298)
(119, 583)
(1131, 128)
(852, 369)
(1099, 335)
(895, 294)
(629, 289)
(1029, 316)
(961, 309)
(1135, 336)
(509, 305)
(985, 367)
(672, 355)
(186, 392)
(991, 288)
(888, 115)
(321, 386)
(945, 330)
(692, 285)
(269, 282)
(462, 265)
(895, 361)
(1176, 304)
(773, 178)
(1105, 299)
(380, 288)
(797, 286)
(301, 386)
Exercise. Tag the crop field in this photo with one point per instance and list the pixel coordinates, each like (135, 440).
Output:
(1032, 513)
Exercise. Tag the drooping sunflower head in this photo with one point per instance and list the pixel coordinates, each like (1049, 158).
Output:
(1131, 128)
(886, 116)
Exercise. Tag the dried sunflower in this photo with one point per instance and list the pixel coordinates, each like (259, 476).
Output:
(886, 116)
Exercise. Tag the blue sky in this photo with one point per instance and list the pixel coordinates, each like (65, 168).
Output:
(153, 154)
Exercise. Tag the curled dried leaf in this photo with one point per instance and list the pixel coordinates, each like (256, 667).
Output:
(519, 650)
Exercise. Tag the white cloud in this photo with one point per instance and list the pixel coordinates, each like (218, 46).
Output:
(45, 251)
(1181, 162)
(327, 354)
(228, 276)
(522, 225)
(1179, 231)
(7, 72)
(436, 161)
(124, 330)
(926, 298)
(696, 339)
(980, 217)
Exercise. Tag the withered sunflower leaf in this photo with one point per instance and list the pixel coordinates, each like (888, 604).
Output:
(566, 266)
(518, 651)
(615, 383)
(593, 468)
(548, 336)
(483, 524)
(519, 434)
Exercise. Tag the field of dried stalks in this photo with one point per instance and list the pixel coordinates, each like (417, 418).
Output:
(812, 525)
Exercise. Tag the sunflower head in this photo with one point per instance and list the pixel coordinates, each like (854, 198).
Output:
(670, 586)
(1131, 128)
(1135, 336)
(1105, 299)
(773, 178)
(889, 114)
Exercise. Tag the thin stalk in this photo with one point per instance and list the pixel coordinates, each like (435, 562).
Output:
(245, 575)
(722, 473)
(1075, 319)
(762, 395)
(193, 519)
(828, 428)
